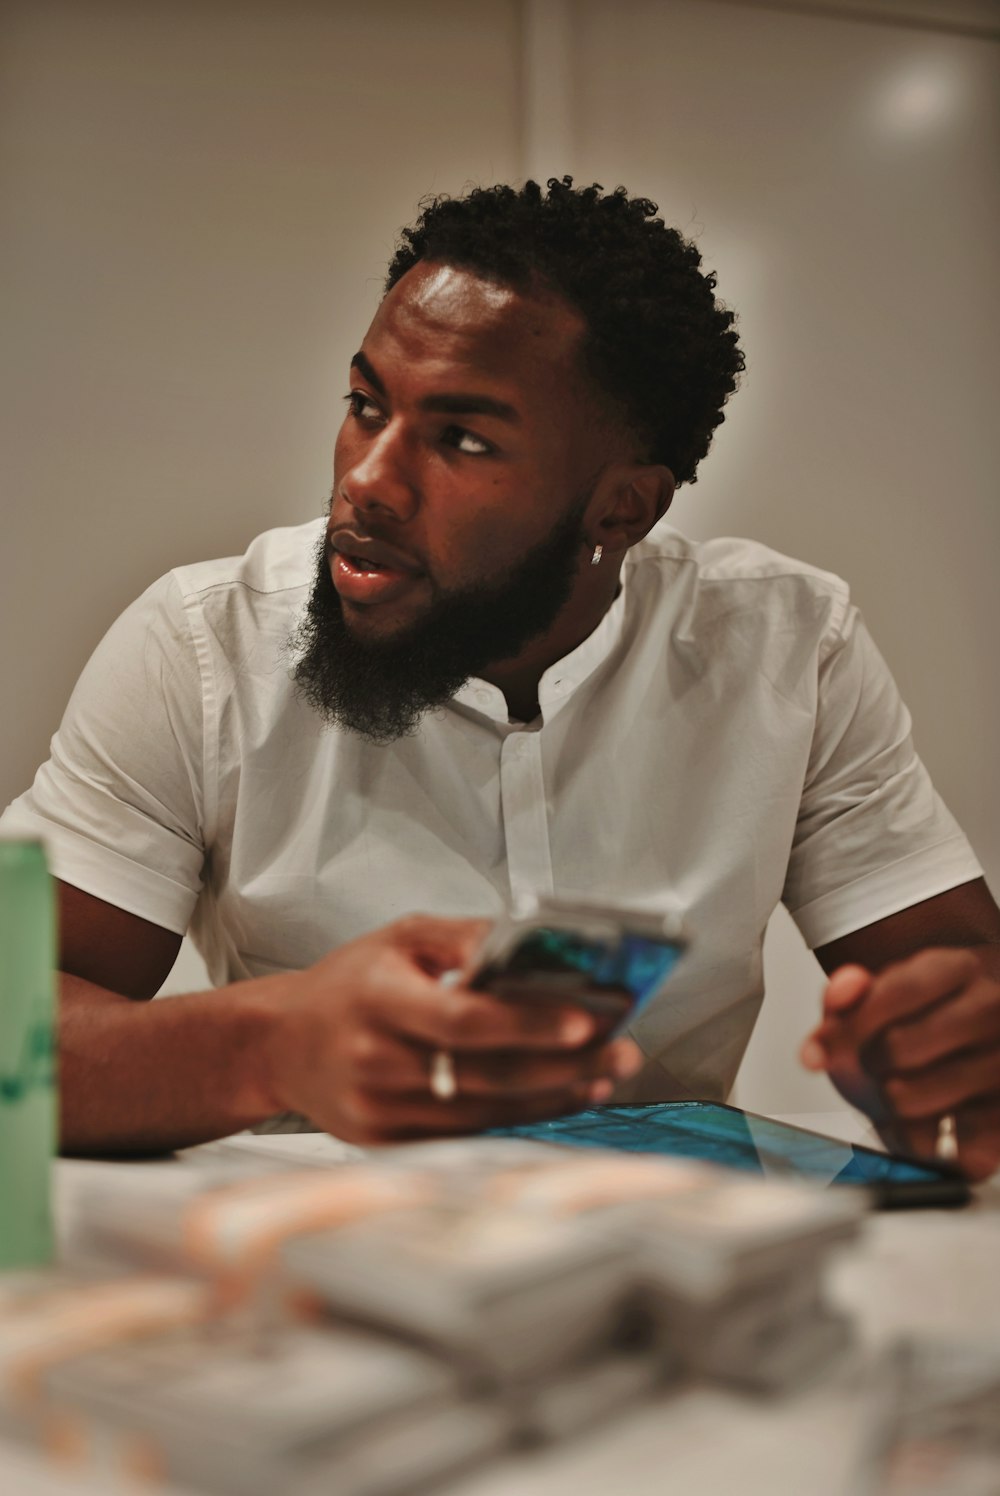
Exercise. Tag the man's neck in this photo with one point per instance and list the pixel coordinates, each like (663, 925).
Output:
(519, 678)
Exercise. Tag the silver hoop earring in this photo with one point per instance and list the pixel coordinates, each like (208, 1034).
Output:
(595, 559)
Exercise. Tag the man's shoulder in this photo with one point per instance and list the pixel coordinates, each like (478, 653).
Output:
(728, 572)
(728, 558)
(278, 562)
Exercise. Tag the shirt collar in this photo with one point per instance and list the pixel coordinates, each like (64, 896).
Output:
(563, 678)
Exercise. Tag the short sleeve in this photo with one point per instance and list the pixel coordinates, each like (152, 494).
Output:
(121, 802)
(872, 835)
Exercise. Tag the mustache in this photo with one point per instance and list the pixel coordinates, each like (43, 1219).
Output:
(358, 541)
(380, 689)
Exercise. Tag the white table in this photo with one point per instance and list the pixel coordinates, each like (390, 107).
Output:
(912, 1271)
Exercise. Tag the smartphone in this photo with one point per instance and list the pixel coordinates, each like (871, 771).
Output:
(727, 1135)
(607, 959)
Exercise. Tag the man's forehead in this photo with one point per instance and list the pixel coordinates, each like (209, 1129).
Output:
(447, 291)
(446, 309)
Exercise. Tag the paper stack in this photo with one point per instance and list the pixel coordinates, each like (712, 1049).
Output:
(227, 1221)
(373, 1326)
(507, 1295)
(730, 1271)
(933, 1416)
(320, 1411)
(137, 1379)
(52, 1318)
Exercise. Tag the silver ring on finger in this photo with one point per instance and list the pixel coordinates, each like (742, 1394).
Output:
(443, 1082)
(946, 1144)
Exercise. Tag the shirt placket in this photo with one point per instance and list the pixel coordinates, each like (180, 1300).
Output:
(525, 817)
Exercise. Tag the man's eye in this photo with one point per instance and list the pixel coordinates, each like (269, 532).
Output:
(362, 406)
(467, 442)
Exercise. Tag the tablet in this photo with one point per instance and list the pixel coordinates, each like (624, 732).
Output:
(719, 1134)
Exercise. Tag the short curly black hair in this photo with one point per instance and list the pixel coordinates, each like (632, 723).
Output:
(659, 345)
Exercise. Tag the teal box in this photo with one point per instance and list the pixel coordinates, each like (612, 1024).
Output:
(28, 1092)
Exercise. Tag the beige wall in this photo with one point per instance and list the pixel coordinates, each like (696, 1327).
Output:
(841, 174)
(198, 201)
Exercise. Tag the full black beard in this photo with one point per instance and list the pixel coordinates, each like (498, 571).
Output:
(380, 689)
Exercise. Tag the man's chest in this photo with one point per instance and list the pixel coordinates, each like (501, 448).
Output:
(690, 804)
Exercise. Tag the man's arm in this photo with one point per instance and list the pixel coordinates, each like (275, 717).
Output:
(348, 1041)
(966, 916)
(138, 1076)
(911, 1023)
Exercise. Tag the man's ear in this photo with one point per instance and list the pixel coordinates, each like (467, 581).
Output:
(636, 496)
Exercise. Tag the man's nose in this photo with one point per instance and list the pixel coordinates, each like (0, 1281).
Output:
(381, 479)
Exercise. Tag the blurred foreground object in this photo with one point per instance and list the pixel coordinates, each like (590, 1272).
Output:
(27, 1054)
(380, 1326)
(935, 1420)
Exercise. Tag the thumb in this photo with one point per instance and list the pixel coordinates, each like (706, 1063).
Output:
(439, 945)
(844, 990)
(846, 987)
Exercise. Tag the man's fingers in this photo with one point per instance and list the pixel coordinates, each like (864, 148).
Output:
(402, 1000)
(911, 986)
(416, 1117)
(896, 994)
(969, 1021)
(439, 945)
(843, 992)
(389, 1067)
(846, 987)
(813, 1053)
(513, 1073)
(977, 1138)
(944, 1087)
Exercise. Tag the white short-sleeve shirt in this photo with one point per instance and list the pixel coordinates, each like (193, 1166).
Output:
(728, 737)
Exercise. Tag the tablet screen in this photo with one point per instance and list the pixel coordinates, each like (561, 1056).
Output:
(726, 1135)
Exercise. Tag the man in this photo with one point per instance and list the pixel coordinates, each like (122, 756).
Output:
(484, 682)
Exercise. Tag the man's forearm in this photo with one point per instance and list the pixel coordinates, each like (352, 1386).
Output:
(144, 1077)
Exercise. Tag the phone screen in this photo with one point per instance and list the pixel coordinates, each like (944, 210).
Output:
(726, 1135)
(637, 964)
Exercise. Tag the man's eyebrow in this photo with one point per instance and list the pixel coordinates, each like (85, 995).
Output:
(445, 404)
(471, 405)
(360, 361)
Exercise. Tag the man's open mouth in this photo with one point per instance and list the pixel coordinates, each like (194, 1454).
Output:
(366, 579)
(361, 563)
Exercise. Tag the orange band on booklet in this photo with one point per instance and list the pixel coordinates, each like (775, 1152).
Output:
(575, 1186)
(240, 1227)
(96, 1316)
(65, 1440)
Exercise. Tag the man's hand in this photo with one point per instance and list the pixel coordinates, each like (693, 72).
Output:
(353, 1037)
(916, 1042)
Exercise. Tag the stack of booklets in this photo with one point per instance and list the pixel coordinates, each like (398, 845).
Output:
(140, 1381)
(503, 1293)
(513, 1259)
(372, 1327)
(315, 1411)
(227, 1220)
(51, 1317)
(736, 1277)
(525, 1308)
(932, 1419)
(728, 1271)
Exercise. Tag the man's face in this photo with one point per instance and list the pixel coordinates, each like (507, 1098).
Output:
(462, 470)
(461, 448)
